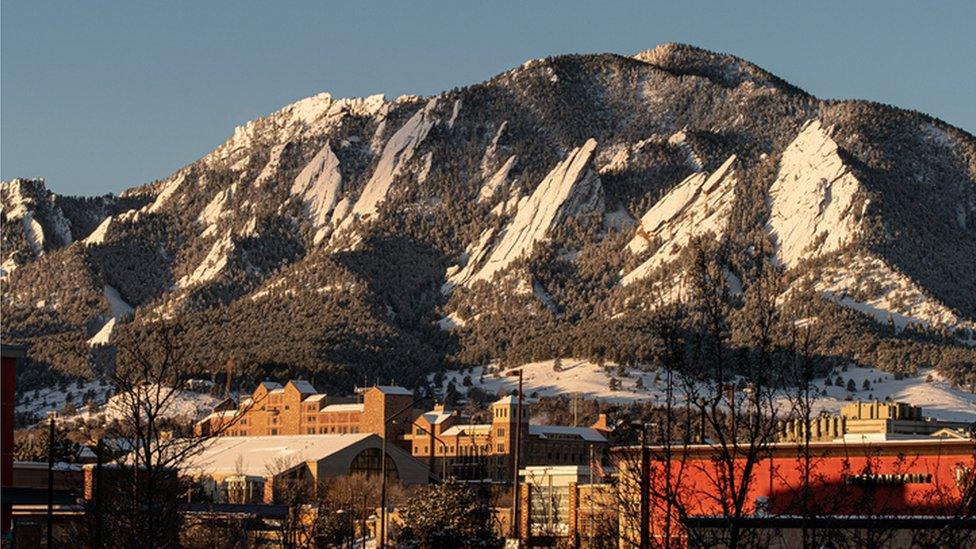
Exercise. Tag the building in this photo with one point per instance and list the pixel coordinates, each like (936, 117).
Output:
(10, 357)
(255, 469)
(452, 446)
(920, 477)
(565, 505)
(298, 409)
(872, 421)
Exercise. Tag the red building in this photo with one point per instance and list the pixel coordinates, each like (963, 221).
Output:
(924, 476)
(10, 355)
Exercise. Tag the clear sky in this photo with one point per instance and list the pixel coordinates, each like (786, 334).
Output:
(98, 96)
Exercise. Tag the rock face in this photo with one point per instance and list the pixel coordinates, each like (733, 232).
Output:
(814, 200)
(318, 186)
(571, 189)
(399, 150)
(699, 204)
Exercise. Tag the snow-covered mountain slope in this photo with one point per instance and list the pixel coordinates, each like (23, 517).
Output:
(334, 234)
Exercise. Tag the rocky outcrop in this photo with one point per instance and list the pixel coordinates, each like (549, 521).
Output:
(699, 204)
(570, 189)
(815, 204)
(318, 186)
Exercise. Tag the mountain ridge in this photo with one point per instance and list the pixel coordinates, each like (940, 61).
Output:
(362, 189)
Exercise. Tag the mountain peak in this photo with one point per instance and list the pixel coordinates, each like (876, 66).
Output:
(724, 69)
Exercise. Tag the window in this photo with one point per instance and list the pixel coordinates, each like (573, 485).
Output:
(501, 431)
(501, 448)
(368, 462)
(274, 431)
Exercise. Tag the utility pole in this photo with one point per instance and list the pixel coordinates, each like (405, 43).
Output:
(99, 450)
(515, 459)
(50, 481)
(382, 542)
(645, 500)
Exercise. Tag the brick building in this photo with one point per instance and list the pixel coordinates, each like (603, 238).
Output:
(452, 446)
(298, 409)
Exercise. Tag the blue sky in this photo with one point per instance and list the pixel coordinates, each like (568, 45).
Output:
(98, 96)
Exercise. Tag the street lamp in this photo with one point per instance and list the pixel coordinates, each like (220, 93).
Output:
(443, 453)
(383, 468)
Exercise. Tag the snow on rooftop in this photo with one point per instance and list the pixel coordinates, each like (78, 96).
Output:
(352, 407)
(467, 429)
(435, 418)
(263, 455)
(315, 398)
(561, 431)
(393, 390)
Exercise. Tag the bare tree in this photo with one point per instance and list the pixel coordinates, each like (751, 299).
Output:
(143, 489)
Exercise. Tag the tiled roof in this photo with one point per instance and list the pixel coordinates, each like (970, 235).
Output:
(303, 386)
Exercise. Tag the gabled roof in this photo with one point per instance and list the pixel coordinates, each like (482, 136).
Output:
(303, 386)
(271, 385)
(393, 390)
(560, 431)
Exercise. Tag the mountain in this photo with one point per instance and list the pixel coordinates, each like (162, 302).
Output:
(522, 218)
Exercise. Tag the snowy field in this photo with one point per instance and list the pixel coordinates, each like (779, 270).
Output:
(187, 405)
(39, 402)
(936, 396)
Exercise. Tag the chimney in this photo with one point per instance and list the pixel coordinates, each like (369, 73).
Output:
(601, 424)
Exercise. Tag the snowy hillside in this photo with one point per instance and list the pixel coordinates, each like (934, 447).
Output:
(927, 389)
